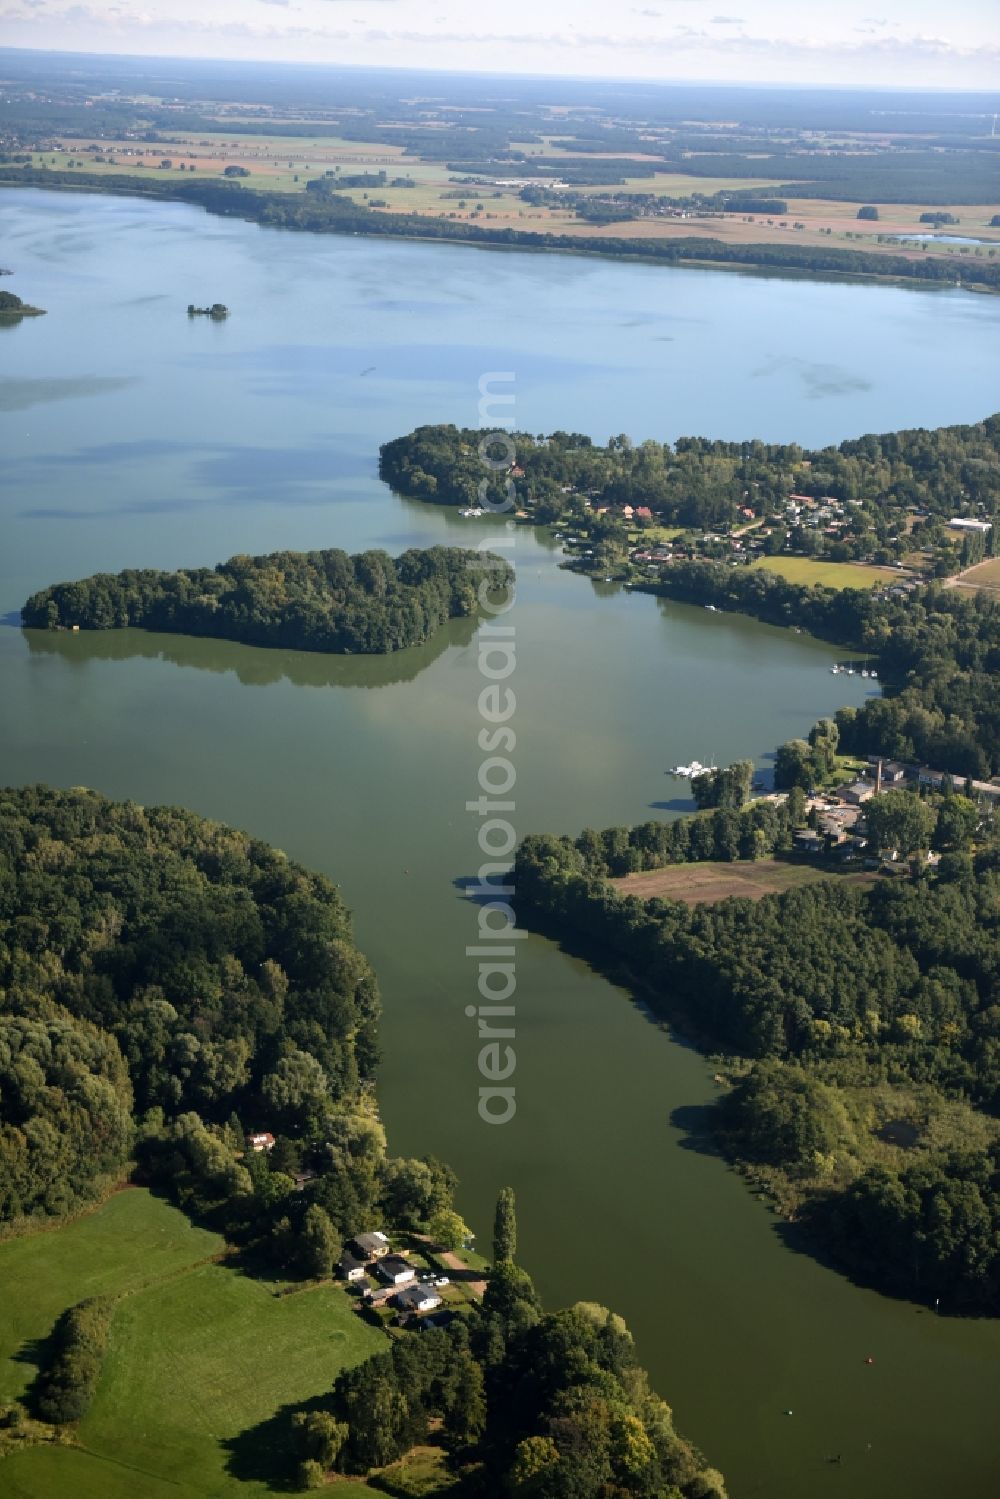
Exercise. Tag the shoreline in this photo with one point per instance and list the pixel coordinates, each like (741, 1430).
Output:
(591, 250)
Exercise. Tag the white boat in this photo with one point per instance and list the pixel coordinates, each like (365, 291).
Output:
(688, 772)
(864, 672)
(835, 670)
(711, 609)
(873, 673)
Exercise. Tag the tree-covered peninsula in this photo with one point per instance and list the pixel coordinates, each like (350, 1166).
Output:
(891, 482)
(370, 603)
(158, 973)
(184, 1006)
(859, 1026)
(12, 308)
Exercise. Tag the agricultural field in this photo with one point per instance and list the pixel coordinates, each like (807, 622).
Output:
(200, 1355)
(985, 576)
(284, 163)
(808, 570)
(704, 884)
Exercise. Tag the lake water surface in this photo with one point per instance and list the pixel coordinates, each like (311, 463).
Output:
(135, 437)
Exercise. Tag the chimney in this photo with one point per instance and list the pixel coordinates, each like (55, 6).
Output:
(878, 779)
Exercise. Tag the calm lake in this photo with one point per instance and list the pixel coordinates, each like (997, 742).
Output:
(134, 436)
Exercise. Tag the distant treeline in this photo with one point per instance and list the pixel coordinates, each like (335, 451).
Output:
(897, 176)
(310, 601)
(342, 216)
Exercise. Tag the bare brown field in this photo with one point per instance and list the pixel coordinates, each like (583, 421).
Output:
(985, 576)
(895, 218)
(705, 884)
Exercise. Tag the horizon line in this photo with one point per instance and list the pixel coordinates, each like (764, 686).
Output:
(466, 72)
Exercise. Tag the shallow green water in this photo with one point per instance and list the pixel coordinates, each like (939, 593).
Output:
(133, 437)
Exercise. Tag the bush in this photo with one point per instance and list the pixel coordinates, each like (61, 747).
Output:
(79, 1343)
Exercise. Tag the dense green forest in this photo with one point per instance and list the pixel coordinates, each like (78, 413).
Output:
(167, 985)
(309, 601)
(698, 481)
(161, 974)
(552, 1405)
(335, 214)
(864, 1037)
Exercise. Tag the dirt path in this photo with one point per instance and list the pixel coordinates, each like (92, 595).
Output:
(460, 1273)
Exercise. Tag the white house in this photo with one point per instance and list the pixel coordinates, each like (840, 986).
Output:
(351, 1269)
(395, 1271)
(417, 1299)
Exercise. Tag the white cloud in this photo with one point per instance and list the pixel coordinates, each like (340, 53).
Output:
(914, 41)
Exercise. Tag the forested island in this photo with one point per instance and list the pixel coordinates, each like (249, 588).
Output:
(168, 986)
(329, 601)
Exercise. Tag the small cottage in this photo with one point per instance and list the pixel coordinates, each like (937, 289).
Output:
(369, 1246)
(417, 1299)
(395, 1271)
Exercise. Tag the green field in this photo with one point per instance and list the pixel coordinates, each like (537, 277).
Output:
(131, 1242)
(200, 1354)
(830, 574)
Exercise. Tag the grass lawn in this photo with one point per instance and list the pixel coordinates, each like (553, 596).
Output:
(199, 1355)
(472, 1260)
(134, 1240)
(710, 882)
(830, 574)
(55, 1472)
(423, 1470)
(196, 1361)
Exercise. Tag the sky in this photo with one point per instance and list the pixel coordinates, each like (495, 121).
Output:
(923, 43)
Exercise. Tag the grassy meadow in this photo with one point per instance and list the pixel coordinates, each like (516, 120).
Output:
(200, 1355)
(807, 570)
